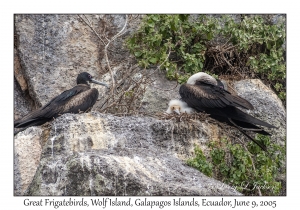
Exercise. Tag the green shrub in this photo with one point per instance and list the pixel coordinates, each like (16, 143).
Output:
(263, 43)
(200, 162)
(245, 170)
(186, 38)
(160, 34)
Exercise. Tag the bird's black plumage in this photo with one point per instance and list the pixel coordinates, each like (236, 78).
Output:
(205, 94)
(78, 99)
(208, 96)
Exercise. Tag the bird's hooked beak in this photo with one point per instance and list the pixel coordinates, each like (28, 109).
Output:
(176, 110)
(99, 83)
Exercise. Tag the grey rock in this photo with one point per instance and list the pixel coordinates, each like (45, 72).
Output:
(98, 154)
(27, 152)
(22, 102)
(58, 45)
(267, 106)
(18, 72)
(159, 93)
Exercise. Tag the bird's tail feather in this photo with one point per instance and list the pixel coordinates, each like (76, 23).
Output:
(250, 127)
(29, 122)
(236, 114)
(248, 118)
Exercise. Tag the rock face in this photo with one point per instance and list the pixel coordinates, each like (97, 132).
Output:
(158, 95)
(102, 154)
(27, 155)
(22, 102)
(61, 46)
(98, 154)
(268, 107)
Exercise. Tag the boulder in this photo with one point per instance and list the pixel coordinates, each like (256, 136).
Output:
(159, 93)
(22, 102)
(101, 154)
(27, 154)
(53, 49)
(267, 106)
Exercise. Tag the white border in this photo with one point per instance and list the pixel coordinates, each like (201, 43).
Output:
(8, 201)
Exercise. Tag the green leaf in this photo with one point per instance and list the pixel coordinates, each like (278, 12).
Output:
(187, 39)
(153, 60)
(137, 54)
(201, 64)
(172, 24)
(209, 35)
(151, 23)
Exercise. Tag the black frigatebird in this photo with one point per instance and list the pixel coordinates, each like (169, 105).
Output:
(78, 99)
(206, 94)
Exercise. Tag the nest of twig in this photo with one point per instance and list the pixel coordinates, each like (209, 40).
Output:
(224, 130)
(192, 118)
(128, 92)
(225, 59)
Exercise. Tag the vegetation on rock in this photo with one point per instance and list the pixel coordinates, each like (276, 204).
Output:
(185, 44)
(250, 170)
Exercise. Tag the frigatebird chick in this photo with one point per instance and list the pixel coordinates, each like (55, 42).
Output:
(179, 107)
(76, 100)
(205, 94)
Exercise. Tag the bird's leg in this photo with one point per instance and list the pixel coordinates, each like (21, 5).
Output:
(263, 147)
(245, 129)
(89, 109)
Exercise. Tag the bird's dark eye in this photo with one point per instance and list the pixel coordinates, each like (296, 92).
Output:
(90, 76)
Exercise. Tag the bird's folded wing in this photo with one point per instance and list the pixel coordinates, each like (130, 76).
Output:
(211, 96)
(52, 109)
(67, 95)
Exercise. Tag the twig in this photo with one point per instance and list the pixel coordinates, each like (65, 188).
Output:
(162, 62)
(168, 89)
(106, 56)
(227, 41)
(89, 24)
(159, 68)
(125, 77)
